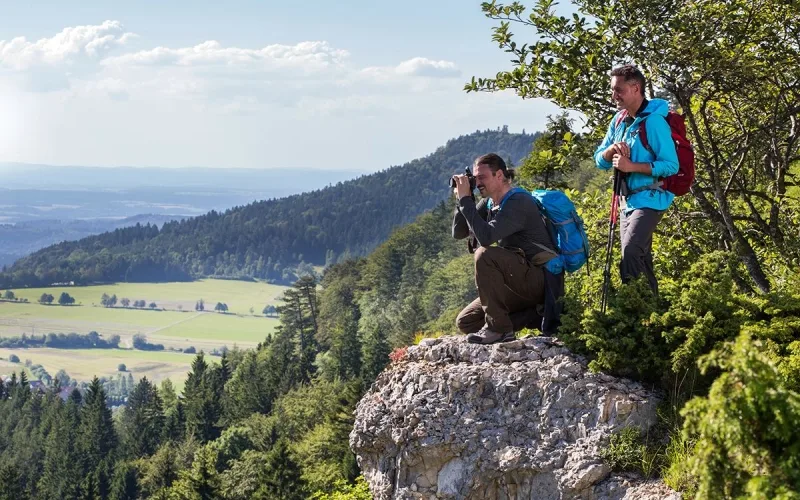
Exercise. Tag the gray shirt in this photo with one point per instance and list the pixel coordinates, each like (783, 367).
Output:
(517, 225)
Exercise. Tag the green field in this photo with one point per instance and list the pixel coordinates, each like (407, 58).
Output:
(173, 328)
(178, 326)
(205, 330)
(240, 296)
(83, 364)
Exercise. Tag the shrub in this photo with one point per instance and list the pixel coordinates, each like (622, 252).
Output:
(13, 358)
(122, 368)
(627, 451)
(746, 430)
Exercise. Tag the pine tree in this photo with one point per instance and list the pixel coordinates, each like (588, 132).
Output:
(11, 487)
(62, 461)
(124, 484)
(160, 472)
(142, 420)
(201, 410)
(283, 477)
(96, 437)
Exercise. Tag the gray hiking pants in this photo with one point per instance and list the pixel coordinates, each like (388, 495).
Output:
(636, 234)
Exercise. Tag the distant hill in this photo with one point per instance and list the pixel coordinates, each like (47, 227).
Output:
(269, 239)
(23, 238)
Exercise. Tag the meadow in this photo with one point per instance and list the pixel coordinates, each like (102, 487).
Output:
(180, 326)
(239, 296)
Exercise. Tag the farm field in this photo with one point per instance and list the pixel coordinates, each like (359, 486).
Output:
(239, 296)
(83, 364)
(175, 327)
(206, 330)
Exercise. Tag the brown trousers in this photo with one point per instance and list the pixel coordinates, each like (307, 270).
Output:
(509, 289)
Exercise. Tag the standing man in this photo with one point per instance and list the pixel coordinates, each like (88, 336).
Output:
(643, 201)
(509, 276)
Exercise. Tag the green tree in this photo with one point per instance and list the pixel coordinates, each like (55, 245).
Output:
(160, 471)
(202, 408)
(282, 478)
(299, 319)
(168, 395)
(66, 299)
(746, 433)
(202, 481)
(723, 64)
(142, 420)
(11, 487)
(9, 295)
(551, 163)
(96, 441)
(62, 461)
(124, 482)
(125, 301)
(46, 298)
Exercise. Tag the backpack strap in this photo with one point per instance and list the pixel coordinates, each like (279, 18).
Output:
(620, 117)
(656, 186)
(513, 191)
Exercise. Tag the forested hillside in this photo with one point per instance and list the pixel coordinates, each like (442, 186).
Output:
(269, 239)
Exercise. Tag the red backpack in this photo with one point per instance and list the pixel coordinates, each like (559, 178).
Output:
(679, 183)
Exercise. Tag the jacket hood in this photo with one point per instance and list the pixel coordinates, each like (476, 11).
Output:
(657, 107)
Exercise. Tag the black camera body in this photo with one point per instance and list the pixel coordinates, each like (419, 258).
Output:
(470, 177)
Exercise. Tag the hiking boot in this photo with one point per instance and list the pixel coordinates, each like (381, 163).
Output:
(486, 336)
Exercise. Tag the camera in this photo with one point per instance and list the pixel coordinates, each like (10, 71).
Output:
(470, 177)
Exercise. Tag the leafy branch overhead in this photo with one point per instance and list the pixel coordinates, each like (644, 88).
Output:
(731, 67)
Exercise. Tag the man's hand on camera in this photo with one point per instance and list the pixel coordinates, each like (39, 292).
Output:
(462, 186)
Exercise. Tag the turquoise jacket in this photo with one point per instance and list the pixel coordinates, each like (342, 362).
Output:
(664, 162)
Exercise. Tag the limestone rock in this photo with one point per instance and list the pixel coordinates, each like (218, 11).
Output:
(517, 420)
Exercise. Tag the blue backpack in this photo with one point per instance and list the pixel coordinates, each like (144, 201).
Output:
(566, 229)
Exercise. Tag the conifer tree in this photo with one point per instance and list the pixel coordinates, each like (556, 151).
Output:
(124, 484)
(142, 420)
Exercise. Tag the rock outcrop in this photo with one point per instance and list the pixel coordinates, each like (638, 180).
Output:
(518, 420)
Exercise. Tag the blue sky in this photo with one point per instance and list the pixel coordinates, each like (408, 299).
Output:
(349, 85)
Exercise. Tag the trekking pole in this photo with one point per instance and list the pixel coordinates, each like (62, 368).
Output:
(612, 226)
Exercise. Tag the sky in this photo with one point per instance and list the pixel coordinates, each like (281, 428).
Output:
(349, 85)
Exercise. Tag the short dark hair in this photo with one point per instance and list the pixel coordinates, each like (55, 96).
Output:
(630, 72)
(495, 163)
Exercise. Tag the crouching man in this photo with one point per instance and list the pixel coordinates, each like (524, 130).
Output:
(509, 277)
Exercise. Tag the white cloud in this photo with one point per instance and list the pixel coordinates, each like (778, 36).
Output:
(64, 48)
(421, 66)
(210, 104)
(309, 56)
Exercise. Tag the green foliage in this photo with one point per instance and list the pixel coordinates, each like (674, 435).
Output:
(551, 161)
(65, 299)
(345, 491)
(124, 483)
(627, 451)
(746, 430)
